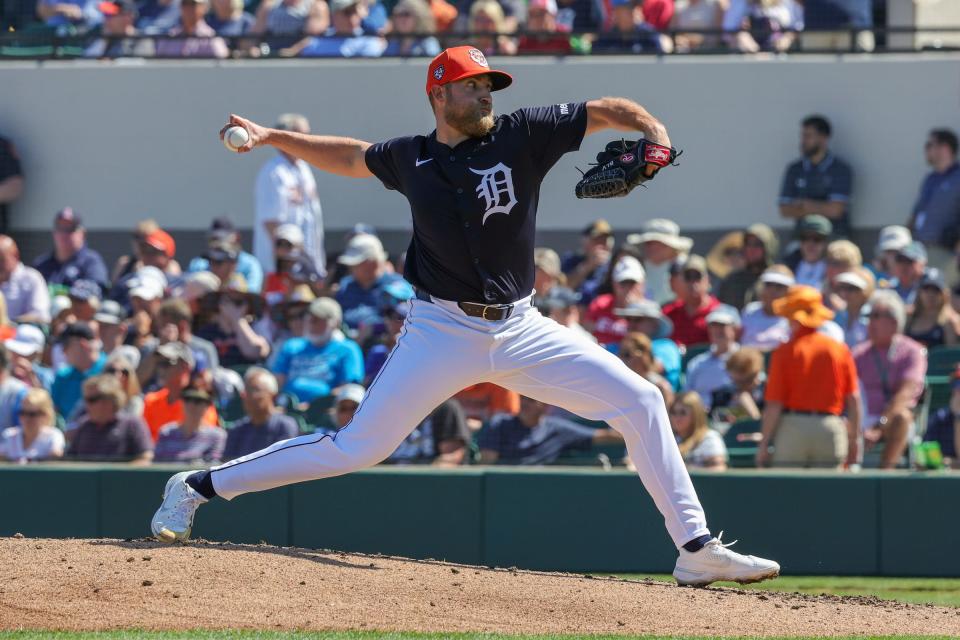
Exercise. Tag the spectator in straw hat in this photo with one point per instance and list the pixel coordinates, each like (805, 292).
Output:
(661, 245)
(811, 383)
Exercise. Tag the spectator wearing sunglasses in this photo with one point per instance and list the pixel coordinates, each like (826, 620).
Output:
(192, 439)
(700, 446)
(36, 438)
(933, 322)
(689, 311)
(854, 288)
(636, 350)
(909, 267)
(891, 368)
(105, 435)
(808, 262)
(174, 365)
(120, 365)
(223, 231)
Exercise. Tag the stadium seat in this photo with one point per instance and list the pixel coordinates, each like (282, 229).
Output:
(741, 440)
(942, 360)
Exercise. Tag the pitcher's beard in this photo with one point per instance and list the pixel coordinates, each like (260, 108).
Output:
(470, 123)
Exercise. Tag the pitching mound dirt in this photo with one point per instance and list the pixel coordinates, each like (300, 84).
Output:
(112, 584)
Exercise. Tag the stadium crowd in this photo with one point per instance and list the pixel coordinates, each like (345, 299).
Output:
(830, 354)
(373, 28)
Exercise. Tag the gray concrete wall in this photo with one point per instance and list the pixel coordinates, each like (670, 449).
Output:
(125, 141)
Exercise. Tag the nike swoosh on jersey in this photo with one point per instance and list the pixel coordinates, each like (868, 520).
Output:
(420, 162)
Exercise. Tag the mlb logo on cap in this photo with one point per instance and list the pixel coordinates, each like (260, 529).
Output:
(457, 63)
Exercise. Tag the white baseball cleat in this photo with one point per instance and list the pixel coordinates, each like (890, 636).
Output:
(715, 562)
(174, 519)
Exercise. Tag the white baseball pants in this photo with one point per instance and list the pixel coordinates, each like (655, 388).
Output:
(441, 351)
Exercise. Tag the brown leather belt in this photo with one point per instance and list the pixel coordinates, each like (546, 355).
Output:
(488, 312)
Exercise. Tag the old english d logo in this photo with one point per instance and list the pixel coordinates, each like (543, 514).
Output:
(496, 189)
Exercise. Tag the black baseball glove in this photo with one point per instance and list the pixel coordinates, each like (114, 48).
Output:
(623, 165)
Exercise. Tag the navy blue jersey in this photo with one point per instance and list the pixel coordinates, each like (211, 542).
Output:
(475, 205)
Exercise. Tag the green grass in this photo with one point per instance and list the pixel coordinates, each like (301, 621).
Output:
(939, 591)
(375, 635)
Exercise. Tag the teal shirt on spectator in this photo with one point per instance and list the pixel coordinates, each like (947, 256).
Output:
(68, 382)
(314, 371)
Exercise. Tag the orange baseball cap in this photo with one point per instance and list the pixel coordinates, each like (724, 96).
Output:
(457, 63)
(162, 241)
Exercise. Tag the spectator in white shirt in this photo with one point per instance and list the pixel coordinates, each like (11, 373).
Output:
(286, 192)
(762, 328)
(35, 438)
(809, 264)
(25, 290)
(707, 372)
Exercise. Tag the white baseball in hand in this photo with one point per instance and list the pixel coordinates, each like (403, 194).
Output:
(235, 137)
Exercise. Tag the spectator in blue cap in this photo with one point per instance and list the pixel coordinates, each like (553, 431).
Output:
(645, 316)
(707, 372)
(71, 258)
(908, 268)
(562, 305)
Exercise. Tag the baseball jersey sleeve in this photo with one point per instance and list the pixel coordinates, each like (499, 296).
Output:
(555, 130)
(383, 160)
